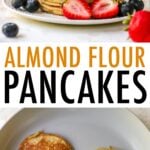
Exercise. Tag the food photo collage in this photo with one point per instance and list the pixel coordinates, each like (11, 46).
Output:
(70, 23)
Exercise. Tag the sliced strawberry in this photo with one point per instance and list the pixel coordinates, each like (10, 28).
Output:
(103, 9)
(77, 9)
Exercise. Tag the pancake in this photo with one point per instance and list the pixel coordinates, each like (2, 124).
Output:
(52, 3)
(52, 9)
(44, 141)
(52, 6)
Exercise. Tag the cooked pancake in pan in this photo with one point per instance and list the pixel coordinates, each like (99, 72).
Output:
(45, 141)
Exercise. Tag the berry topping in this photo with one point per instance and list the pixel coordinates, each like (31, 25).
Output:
(77, 9)
(32, 5)
(28, 5)
(126, 8)
(138, 4)
(102, 9)
(18, 3)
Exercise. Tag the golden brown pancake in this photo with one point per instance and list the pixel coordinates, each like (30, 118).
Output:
(52, 6)
(54, 2)
(44, 141)
(52, 9)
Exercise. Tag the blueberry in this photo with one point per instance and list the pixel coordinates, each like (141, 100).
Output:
(32, 5)
(138, 4)
(126, 8)
(10, 29)
(18, 3)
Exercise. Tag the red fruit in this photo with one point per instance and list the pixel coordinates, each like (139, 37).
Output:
(77, 9)
(103, 9)
(139, 27)
(147, 38)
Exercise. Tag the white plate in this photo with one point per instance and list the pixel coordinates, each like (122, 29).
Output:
(86, 129)
(45, 17)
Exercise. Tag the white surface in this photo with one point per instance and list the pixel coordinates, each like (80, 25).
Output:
(31, 30)
(35, 31)
(45, 17)
(6, 114)
(100, 127)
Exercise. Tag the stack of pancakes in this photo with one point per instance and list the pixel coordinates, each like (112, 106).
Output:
(52, 6)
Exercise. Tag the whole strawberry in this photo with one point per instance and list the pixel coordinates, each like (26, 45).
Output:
(139, 27)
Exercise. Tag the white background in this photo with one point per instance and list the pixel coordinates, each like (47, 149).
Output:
(74, 82)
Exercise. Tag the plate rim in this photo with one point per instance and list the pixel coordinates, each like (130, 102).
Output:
(60, 21)
(13, 115)
(122, 109)
(144, 132)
